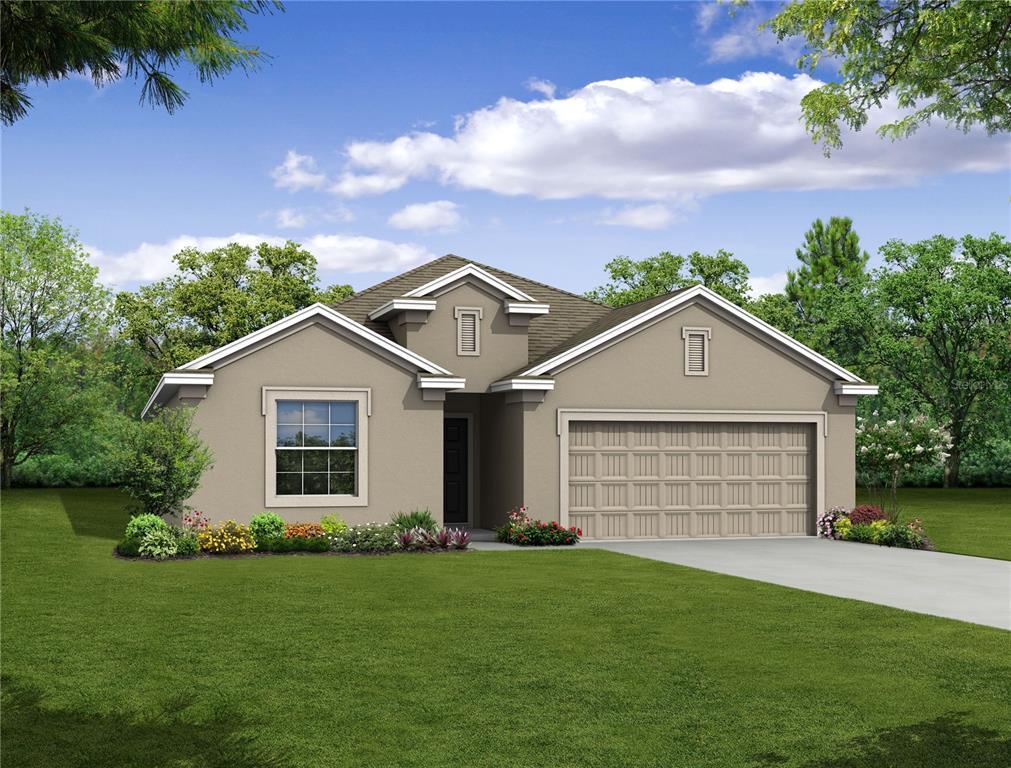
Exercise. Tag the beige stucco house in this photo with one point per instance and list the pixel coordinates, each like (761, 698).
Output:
(468, 390)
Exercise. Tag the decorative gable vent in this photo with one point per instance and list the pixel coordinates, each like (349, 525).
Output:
(696, 350)
(468, 330)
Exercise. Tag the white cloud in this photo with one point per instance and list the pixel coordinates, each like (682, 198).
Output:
(760, 285)
(346, 253)
(653, 216)
(543, 87)
(297, 172)
(441, 215)
(660, 140)
(289, 218)
(707, 14)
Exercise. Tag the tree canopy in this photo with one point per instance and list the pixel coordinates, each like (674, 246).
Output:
(937, 59)
(218, 296)
(633, 280)
(52, 313)
(43, 41)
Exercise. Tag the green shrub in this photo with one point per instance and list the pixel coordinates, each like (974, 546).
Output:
(129, 548)
(159, 544)
(843, 527)
(164, 462)
(371, 537)
(187, 544)
(863, 533)
(332, 524)
(294, 544)
(267, 526)
(141, 525)
(419, 518)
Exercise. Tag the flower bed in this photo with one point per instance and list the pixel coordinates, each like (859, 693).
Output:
(869, 524)
(525, 531)
(149, 536)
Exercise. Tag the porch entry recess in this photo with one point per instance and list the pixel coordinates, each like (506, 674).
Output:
(456, 471)
(717, 477)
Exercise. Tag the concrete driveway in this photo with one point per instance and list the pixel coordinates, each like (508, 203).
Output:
(972, 589)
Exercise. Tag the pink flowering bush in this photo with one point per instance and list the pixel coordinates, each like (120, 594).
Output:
(827, 525)
(525, 531)
(195, 521)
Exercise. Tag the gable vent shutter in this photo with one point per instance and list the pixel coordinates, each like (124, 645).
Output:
(696, 353)
(468, 332)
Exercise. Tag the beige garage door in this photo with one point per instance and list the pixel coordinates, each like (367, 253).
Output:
(685, 479)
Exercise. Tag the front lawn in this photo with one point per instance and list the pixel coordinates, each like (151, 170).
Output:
(545, 658)
(967, 521)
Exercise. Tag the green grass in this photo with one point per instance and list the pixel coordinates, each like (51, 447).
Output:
(967, 521)
(560, 658)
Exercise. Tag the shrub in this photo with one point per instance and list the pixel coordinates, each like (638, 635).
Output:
(843, 527)
(187, 544)
(293, 544)
(164, 462)
(419, 518)
(371, 537)
(866, 513)
(226, 538)
(266, 526)
(141, 525)
(129, 548)
(459, 539)
(158, 543)
(304, 531)
(525, 531)
(827, 525)
(332, 524)
(863, 533)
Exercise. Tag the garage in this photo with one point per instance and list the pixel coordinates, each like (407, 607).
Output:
(682, 479)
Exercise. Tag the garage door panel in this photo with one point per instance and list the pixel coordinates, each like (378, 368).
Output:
(690, 479)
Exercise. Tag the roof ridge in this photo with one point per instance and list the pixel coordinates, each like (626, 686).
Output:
(358, 294)
(537, 282)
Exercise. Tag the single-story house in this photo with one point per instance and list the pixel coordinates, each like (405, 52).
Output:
(469, 390)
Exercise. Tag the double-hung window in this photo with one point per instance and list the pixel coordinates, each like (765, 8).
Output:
(316, 447)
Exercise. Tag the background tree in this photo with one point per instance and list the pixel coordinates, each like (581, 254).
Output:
(53, 313)
(43, 41)
(830, 256)
(216, 297)
(937, 321)
(946, 59)
(633, 280)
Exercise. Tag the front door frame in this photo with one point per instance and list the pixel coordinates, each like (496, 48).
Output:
(469, 417)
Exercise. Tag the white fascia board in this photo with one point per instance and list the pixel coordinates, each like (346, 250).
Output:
(525, 308)
(675, 301)
(402, 305)
(441, 382)
(461, 273)
(315, 311)
(848, 388)
(520, 384)
(169, 382)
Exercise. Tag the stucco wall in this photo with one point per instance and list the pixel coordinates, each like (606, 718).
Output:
(405, 432)
(503, 346)
(502, 459)
(646, 371)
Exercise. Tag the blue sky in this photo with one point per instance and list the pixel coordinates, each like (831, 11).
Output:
(542, 138)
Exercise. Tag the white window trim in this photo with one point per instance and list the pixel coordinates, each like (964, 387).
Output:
(706, 334)
(477, 313)
(362, 398)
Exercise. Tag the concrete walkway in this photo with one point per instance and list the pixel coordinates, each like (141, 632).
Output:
(972, 589)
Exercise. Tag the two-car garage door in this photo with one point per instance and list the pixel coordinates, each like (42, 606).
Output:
(690, 479)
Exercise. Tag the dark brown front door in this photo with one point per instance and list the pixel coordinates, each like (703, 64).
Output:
(454, 470)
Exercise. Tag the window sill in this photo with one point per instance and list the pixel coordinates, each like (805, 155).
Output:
(317, 501)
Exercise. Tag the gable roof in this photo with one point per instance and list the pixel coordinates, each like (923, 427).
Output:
(569, 313)
(317, 312)
(630, 318)
(462, 273)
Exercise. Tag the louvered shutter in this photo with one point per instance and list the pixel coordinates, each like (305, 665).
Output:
(696, 353)
(467, 332)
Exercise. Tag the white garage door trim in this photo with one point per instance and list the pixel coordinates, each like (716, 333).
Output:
(567, 415)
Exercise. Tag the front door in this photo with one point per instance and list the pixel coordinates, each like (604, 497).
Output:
(455, 471)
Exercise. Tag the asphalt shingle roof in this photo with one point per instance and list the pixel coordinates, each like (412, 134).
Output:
(569, 314)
